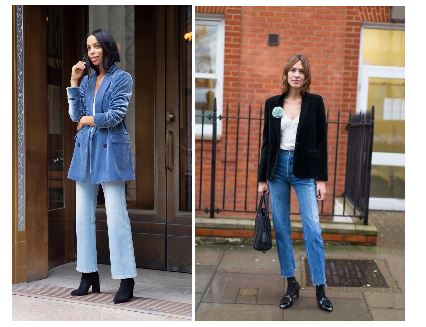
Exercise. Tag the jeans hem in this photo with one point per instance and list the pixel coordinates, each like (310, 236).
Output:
(125, 276)
(288, 276)
(318, 284)
(86, 271)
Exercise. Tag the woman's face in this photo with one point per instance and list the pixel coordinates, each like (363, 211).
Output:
(95, 52)
(296, 75)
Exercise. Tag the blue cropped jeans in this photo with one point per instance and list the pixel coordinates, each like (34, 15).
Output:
(305, 189)
(119, 231)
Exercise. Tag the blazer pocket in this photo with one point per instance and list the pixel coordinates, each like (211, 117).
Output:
(120, 138)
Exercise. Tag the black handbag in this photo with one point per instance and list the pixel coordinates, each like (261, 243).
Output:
(262, 228)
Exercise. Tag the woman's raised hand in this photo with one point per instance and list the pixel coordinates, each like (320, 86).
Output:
(77, 72)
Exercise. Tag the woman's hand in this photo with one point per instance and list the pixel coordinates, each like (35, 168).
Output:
(263, 186)
(321, 191)
(79, 126)
(77, 72)
(86, 121)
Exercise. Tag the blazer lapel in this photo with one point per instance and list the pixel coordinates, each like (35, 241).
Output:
(276, 122)
(103, 87)
(304, 110)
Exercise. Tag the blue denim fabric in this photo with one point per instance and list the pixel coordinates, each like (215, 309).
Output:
(122, 256)
(305, 189)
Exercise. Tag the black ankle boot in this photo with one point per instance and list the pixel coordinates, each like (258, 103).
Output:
(292, 293)
(87, 280)
(323, 301)
(125, 292)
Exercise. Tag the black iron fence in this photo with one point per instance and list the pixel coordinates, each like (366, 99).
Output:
(232, 183)
(358, 162)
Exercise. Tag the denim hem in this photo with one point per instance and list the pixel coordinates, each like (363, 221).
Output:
(86, 271)
(325, 284)
(125, 276)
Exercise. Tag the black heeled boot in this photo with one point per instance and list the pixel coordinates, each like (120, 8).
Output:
(292, 293)
(87, 280)
(125, 292)
(323, 301)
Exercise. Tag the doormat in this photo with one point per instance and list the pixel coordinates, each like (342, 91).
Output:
(164, 308)
(350, 273)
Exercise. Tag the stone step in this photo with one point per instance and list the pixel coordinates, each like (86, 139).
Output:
(241, 231)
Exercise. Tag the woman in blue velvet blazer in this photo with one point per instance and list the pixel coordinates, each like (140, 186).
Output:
(111, 156)
(102, 155)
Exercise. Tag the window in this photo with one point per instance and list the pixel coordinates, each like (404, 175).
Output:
(209, 50)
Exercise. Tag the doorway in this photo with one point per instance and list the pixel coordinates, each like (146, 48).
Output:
(156, 54)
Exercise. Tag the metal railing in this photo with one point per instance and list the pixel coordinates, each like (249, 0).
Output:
(358, 163)
(234, 186)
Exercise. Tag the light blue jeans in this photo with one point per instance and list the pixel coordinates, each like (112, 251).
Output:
(305, 189)
(122, 255)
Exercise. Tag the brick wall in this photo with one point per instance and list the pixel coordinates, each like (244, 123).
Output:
(329, 37)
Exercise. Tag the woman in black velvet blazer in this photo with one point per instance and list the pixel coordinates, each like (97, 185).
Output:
(294, 154)
(310, 152)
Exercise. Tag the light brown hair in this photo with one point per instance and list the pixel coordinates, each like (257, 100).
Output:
(285, 87)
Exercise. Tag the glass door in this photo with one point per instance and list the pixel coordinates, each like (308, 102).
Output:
(385, 92)
(382, 86)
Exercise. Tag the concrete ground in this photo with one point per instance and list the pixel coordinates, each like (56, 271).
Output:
(158, 295)
(239, 283)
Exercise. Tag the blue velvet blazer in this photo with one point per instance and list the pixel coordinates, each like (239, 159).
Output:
(110, 149)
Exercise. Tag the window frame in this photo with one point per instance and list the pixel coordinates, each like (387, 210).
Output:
(219, 21)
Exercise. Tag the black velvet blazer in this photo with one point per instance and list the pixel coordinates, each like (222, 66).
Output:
(310, 153)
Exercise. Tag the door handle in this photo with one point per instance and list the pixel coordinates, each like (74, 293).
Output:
(169, 151)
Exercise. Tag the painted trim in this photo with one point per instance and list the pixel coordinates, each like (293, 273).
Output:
(387, 204)
(388, 159)
(20, 105)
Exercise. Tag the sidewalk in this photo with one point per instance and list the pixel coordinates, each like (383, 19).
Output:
(238, 283)
(158, 295)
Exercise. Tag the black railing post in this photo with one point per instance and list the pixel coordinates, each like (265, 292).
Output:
(370, 155)
(336, 157)
(213, 171)
(201, 159)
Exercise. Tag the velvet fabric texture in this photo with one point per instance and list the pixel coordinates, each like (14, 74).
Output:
(310, 153)
(109, 157)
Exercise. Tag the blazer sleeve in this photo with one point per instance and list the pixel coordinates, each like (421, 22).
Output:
(321, 137)
(264, 149)
(118, 104)
(76, 102)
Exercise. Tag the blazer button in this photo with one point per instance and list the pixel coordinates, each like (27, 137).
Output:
(78, 144)
(105, 145)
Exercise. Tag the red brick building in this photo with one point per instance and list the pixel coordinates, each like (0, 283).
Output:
(237, 39)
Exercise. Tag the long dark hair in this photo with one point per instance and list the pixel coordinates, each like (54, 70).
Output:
(109, 47)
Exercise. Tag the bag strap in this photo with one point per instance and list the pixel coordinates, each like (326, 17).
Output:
(263, 200)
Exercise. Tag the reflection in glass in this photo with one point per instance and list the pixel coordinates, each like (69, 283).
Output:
(387, 182)
(205, 48)
(387, 95)
(383, 47)
(204, 98)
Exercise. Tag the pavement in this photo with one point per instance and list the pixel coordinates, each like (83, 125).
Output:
(235, 282)
(158, 296)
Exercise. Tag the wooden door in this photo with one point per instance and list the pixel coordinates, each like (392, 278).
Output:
(52, 39)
